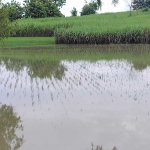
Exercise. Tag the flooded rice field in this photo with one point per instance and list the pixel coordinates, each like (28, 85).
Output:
(74, 105)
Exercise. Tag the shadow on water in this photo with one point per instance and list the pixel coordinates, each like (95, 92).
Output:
(9, 124)
(41, 69)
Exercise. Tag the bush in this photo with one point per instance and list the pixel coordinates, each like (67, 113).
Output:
(74, 12)
(145, 9)
(88, 9)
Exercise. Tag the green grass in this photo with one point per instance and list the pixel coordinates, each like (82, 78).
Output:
(27, 42)
(91, 29)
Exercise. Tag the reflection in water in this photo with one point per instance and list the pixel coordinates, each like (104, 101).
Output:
(70, 104)
(46, 69)
(140, 65)
(41, 69)
(9, 123)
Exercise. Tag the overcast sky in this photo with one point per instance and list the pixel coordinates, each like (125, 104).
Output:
(107, 6)
(78, 4)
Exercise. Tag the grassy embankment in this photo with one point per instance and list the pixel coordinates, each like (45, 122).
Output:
(91, 29)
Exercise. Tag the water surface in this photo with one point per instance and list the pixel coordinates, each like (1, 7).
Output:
(70, 104)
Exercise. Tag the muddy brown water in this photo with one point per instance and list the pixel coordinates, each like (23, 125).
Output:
(69, 105)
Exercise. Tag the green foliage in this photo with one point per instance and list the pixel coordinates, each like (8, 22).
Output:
(74, 12)
(100, 28)
(59, 3)
(88, 9)
(115, 2)
(115, 148)
(99, 4)
(41, 9)
(5, 25)
(107, 28)
(147, 3)
(137, 4)
(145, 9)
(15, 10)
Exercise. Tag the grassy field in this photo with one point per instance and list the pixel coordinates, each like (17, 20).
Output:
(14, 42)
(92, 29)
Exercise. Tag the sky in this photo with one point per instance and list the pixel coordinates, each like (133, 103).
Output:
(107, 6)
(78, 4)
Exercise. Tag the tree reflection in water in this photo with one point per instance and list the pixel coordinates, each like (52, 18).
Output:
(9, 123)
(42, 69)
(140, 65)
(46, 69)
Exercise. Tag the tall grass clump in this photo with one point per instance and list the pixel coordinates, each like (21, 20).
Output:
(107, 28)
(125, 36)
(42, 27)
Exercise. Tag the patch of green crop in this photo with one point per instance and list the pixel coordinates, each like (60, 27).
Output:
(107, 28)
(27, 42)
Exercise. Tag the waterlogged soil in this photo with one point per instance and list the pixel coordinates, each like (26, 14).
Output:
(72, 105)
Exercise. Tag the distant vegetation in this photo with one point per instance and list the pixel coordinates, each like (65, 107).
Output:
(5, 26)
(92, 29)
(40, 19)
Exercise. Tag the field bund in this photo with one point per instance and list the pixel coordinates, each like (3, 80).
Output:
(117, 28)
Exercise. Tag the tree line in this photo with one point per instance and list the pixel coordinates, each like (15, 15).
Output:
(95, 5)
(34, 9)
(51, 8)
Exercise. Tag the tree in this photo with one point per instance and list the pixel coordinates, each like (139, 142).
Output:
(139, 4)
(5, 25)
(128, 2)
(59, 3)
(88, 9)
(41, 9)
(99, 3)
(74, 12)
(91, 8)
(15, 10)
(147, 3)
(134, 4)
(115, 2)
